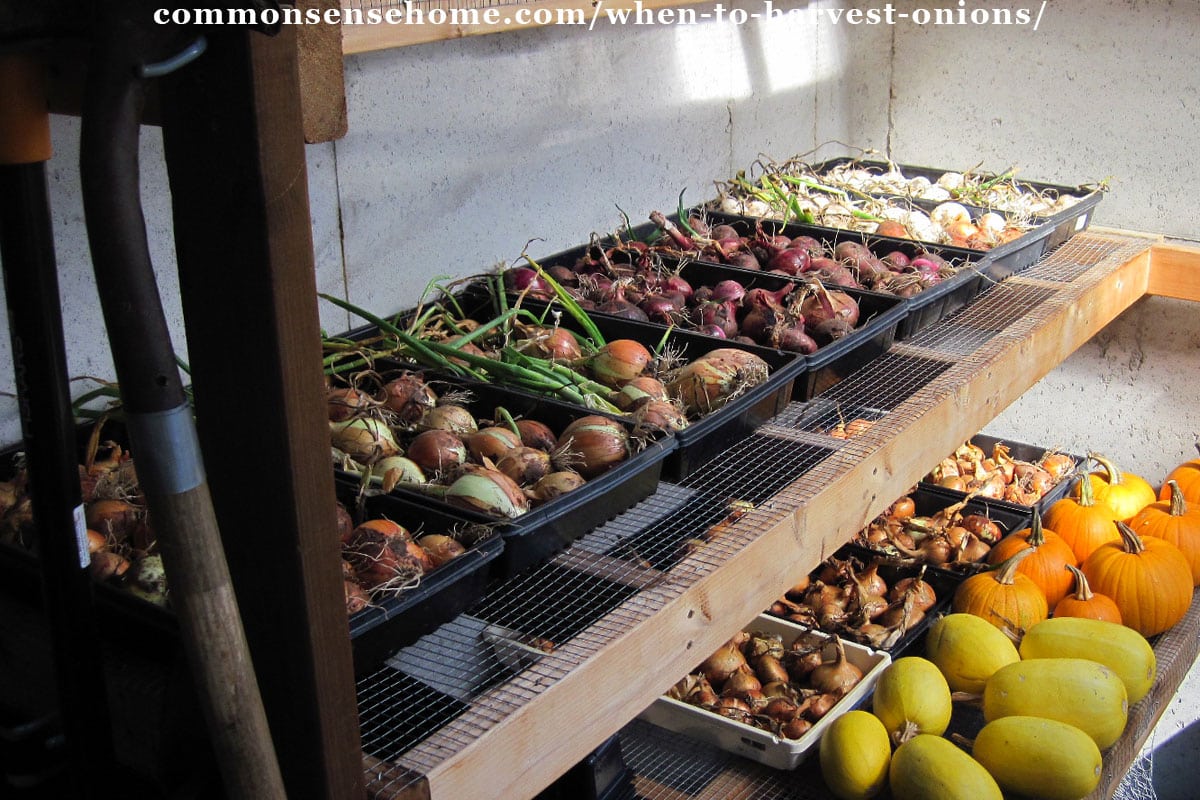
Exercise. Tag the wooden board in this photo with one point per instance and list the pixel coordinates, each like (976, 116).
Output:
(1175, 272)
(453, 19)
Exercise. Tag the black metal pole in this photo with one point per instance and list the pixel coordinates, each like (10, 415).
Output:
(40, 363)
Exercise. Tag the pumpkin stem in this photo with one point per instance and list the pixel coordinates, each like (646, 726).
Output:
(1087, 496)
(1037, 536)
(1083, 592)
(1114, 474)
(1129, 540)
(1007, 571)
(1178, 504)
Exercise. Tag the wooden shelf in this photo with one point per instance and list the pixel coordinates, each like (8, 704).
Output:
(589, 690)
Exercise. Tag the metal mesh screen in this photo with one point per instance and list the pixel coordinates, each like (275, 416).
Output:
(444, 692)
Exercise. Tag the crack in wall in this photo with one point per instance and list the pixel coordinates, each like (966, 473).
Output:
(891, 104)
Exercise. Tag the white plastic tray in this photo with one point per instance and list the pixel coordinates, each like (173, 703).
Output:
(755, 743)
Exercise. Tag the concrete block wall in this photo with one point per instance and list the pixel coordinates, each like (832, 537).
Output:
(461, 152)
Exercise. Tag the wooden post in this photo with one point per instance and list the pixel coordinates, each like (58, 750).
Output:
(235, 154)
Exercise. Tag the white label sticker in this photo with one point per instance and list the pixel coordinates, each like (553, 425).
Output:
(1081, 223)
(81, 537)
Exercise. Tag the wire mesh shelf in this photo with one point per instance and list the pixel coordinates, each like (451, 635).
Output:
(440, 695)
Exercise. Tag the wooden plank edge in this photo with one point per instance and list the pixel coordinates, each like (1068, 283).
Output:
(614, 685)
(1174, 272)
(581, 14)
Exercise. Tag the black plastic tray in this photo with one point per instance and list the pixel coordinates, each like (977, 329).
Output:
(138, 625)
(928, 502)
(602, 775)
(442, 594)
(1012, 257)
(719, 429)
(943, 582)
(880, 318)
(922, 309)
(545, 530)
(1021, 452)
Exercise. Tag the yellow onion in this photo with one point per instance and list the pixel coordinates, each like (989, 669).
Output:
(441, 548)
(556, 484)
(395, 470)
(106, 565)
(640, 389)
(537, 434)
(356, 596)
(364, 439)
(383, 560)
(597, 443)
(346, 402)
(619, 362)
(553, 343)
(437, 450)
(525, 465)
(657, 417)
(408, 397)
(487, 491)
(711, 381)
(450, 417)
(492, 443)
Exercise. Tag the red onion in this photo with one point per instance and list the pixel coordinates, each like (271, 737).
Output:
(718, 314)
(744, 259)
(792, 261)
(520, 279)
(678, 237)
(563, 275)
(763, 298)
(926, 269)
(758, 322)
(660, 308)
(623, 309)
(896, 260)
(793, 339)
(728, 291)
(807, 243)
(724, 231)
(675, 283)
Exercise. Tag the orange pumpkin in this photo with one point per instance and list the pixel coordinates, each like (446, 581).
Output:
(1003, 596)
(1174, 522)
(1187, 475)
(1082, 523)
(1123, 492)
(1083, 602)
(1149, 580)
(1047, 565)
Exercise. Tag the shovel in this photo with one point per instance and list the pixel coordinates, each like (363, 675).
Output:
(127, 48)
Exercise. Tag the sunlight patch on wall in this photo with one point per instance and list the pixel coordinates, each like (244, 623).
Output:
(704, 73)
(788, 43)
